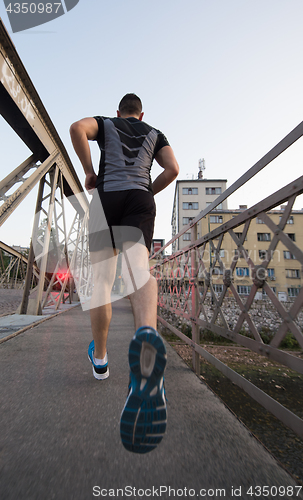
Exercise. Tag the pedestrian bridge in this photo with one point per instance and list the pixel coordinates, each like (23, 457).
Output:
(60, 434)
(60, 428)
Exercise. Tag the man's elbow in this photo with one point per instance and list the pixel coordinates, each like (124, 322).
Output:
(74, 129)
(175, 170)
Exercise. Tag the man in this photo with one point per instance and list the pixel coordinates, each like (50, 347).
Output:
(122, 216)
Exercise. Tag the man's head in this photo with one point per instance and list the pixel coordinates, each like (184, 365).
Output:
(130, 105)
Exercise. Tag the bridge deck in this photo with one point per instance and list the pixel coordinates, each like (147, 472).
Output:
(60, 427)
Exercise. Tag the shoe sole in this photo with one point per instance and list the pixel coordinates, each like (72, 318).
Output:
(144, 417)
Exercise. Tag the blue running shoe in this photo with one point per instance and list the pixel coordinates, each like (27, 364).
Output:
(143, 419)
(100, 372)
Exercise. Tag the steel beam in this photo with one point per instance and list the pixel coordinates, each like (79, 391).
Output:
(23, 110)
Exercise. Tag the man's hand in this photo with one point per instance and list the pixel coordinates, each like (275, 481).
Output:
(90, 182)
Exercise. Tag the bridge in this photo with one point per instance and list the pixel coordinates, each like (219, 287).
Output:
(59, 431)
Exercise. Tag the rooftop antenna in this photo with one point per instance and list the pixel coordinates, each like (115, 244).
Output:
(201, 168)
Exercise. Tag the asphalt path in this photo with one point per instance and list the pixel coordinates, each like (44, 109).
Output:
(59, 427)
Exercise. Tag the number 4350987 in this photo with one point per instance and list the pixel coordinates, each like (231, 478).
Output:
(33, 8)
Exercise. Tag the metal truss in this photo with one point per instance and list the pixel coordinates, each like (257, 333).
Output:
(50, 167)
(186, 286)
(80, 264)
(13, 274)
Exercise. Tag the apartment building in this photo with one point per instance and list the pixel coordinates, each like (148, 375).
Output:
(284, 273)
(191, 197)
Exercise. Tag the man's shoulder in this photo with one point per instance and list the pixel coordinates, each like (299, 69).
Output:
(101, 118)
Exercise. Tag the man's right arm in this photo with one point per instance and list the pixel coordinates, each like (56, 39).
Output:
(81, 132)
(167, 160)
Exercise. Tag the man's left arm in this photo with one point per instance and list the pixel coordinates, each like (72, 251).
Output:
(167, 160)
(81, 132)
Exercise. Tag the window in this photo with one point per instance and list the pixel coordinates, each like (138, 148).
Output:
(243, 290)
(288, 255)
(189, 190)
(262, 254)
(218, 288)
(292, 273)
(271, 273)
(263, 236)
(220, 254)
(293, 292)
(214, 190)
(216, 219)
(239, 235)
(292, 236)
(186, 237)
(259, 221)
(190, 205)
(242, 271)
(273, 288)
(187, 220)
(218, 207)
(217, 271)
(240, 253)
(290, 220)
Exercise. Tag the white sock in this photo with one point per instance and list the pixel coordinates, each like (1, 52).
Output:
(100, 361)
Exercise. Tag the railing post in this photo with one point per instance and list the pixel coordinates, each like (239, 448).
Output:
(194, 302)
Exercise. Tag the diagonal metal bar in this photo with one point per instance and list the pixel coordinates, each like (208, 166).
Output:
(15, 199)
(284, 239)
(17, 175)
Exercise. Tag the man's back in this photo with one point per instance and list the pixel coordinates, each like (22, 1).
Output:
(128, 147)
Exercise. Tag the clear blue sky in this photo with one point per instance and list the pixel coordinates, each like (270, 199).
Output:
(222, 79)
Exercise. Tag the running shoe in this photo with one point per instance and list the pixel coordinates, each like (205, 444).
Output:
(143, 419)
(100, 372)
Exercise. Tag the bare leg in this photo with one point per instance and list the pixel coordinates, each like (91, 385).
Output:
(144, 304)
(104, 265)
(141, 285)
(147, 359)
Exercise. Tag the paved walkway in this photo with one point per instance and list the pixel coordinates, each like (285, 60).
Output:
(59, 427)
(10, 299)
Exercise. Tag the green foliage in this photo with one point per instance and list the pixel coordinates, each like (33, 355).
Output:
(168, 335)
(266, 334)
(289, 342)
(209, 336)
(187, 330)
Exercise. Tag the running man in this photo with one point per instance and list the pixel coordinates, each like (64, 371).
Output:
(122, 214)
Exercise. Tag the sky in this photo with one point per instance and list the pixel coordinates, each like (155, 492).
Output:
(222, 79)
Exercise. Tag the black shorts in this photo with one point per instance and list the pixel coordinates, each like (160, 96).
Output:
(128, 216)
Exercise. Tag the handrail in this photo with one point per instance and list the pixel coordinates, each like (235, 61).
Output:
(186, 287)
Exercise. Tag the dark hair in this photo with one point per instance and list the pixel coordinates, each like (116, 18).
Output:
(130, 104)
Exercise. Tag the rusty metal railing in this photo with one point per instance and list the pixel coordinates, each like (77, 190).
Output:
(186, 288)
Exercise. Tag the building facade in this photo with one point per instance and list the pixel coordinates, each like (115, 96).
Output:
(191, 197)
(284, 273)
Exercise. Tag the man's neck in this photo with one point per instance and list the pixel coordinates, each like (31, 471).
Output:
(130, 116)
